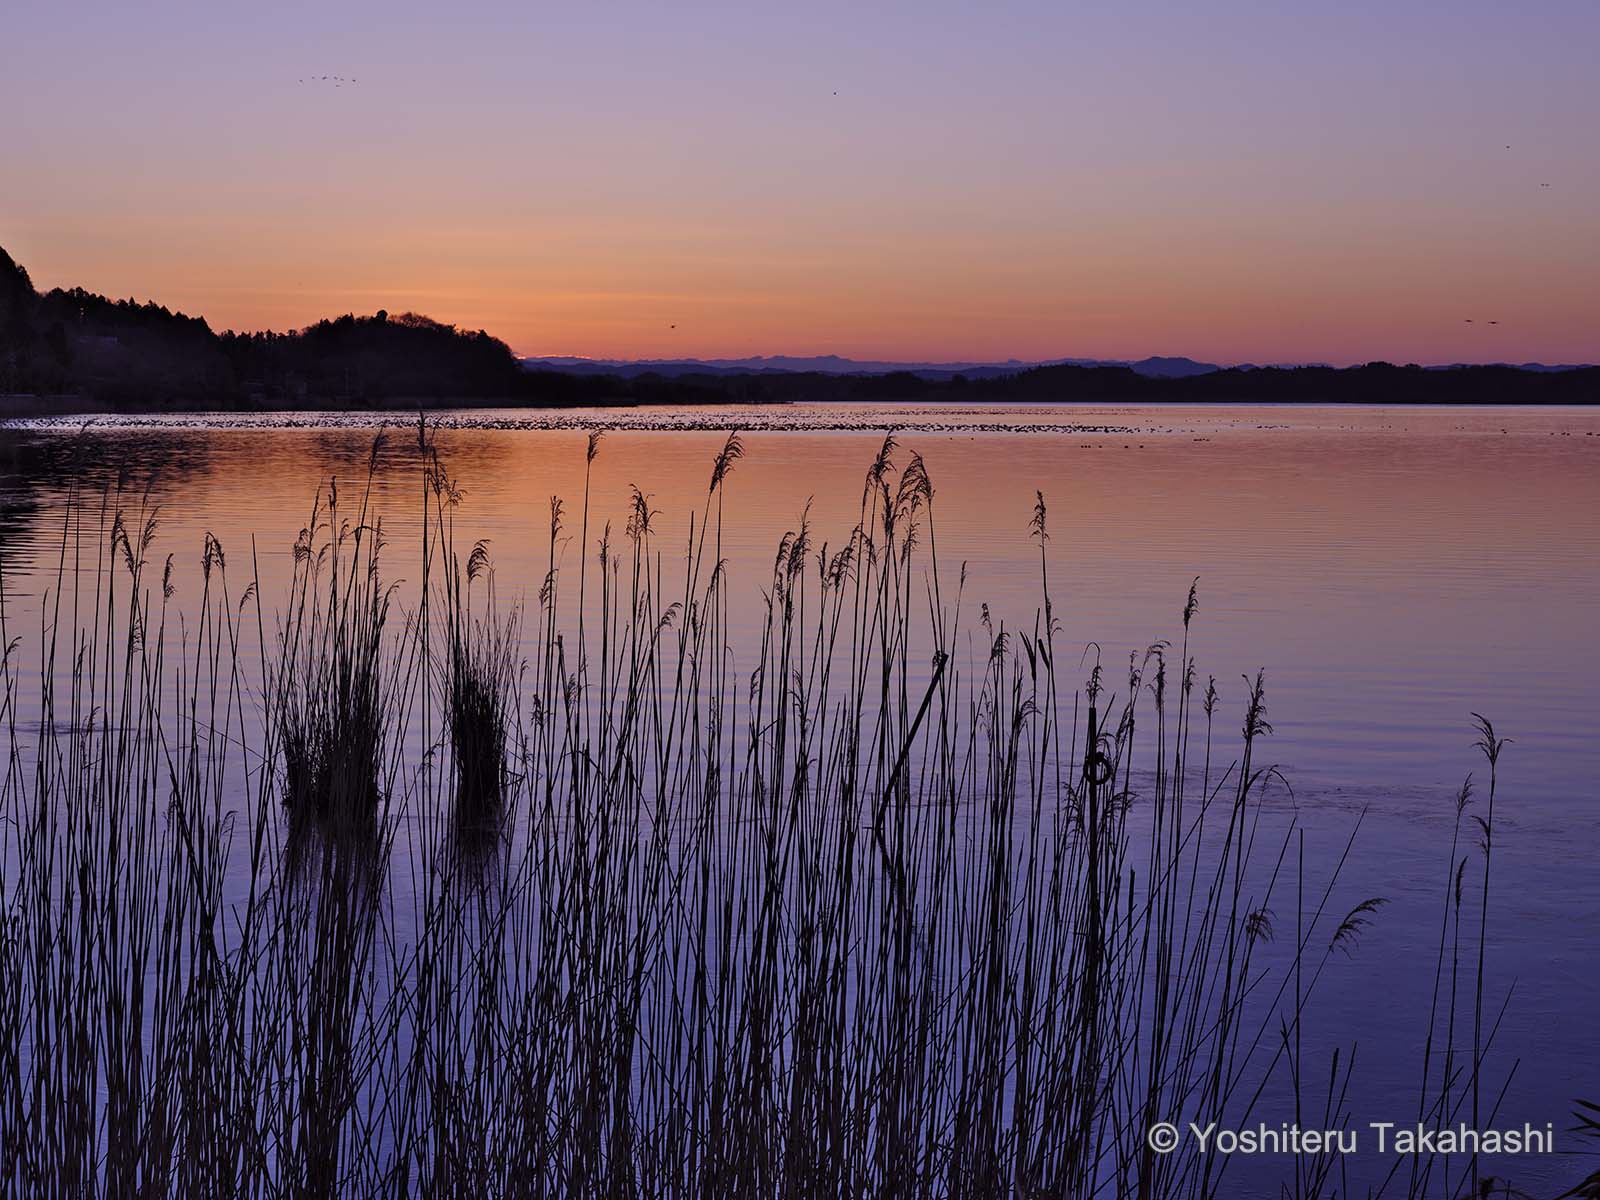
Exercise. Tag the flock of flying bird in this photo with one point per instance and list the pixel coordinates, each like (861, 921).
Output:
(336, 80)
(1469, 320)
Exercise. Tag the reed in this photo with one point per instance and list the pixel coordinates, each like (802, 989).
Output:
(479, 674)
(333, 680)
(879, 902)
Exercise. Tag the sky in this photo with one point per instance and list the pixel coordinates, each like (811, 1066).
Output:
(1234, 181)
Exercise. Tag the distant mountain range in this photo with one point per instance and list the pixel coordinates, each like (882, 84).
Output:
(1154, 367)
(833, 364)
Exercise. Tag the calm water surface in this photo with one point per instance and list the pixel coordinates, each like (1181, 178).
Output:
(1391, 570)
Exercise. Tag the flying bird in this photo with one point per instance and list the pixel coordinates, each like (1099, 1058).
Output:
(1494, 322)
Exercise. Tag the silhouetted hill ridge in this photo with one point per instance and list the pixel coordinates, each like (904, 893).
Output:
(126, 353)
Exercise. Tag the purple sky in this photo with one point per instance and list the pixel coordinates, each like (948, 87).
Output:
(1234, 181)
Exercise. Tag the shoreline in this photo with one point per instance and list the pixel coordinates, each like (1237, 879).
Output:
(26, 407)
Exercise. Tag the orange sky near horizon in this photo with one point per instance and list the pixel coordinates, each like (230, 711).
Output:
(917, 184)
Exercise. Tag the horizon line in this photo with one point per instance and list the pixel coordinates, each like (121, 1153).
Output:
(1059, 360)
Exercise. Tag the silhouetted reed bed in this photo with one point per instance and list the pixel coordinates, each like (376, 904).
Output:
(897, 906)
(480, 672)
(329, 689)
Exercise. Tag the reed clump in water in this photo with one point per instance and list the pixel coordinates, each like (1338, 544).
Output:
(869, 899)
(331, 691)
(480, 672)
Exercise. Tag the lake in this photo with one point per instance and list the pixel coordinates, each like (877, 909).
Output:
(1391, 570)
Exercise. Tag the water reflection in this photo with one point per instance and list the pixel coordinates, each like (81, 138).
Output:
(1391, 570)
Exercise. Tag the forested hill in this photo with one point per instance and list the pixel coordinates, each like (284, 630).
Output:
(376, 358)
(124, 353)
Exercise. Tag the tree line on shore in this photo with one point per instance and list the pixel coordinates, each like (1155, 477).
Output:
(127, 354)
